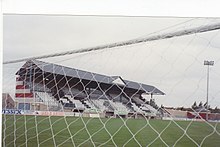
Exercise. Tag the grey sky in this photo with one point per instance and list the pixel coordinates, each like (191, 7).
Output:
(173, 65)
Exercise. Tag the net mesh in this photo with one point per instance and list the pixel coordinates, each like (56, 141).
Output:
(146, 94)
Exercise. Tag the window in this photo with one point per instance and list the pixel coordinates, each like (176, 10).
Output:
(24, 106)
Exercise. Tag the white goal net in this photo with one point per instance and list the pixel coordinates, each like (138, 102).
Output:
(158, 85)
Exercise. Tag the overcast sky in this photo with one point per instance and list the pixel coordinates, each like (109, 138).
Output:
(174, 66)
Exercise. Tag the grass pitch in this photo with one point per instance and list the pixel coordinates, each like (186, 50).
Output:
(51, 131)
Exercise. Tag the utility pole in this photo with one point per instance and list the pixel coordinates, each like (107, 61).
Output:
(208, 63)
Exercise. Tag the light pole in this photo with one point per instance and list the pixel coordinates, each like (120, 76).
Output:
(208, 63)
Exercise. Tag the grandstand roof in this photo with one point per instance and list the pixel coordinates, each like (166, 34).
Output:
(72, 72)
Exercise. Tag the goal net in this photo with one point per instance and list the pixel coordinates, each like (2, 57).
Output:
(157, 90)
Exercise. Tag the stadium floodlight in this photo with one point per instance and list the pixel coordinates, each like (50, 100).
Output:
(208, 63)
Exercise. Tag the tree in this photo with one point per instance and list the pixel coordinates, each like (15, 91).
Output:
(194, 106)
(200, 104)
(216, 110)
(205, 104)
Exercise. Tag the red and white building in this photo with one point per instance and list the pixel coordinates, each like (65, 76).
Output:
(23, 95)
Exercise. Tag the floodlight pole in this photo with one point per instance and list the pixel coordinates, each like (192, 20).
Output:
(208, 63)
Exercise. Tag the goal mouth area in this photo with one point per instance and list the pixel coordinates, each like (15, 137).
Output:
(146, 91)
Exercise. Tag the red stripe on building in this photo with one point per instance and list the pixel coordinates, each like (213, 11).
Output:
(21, 86)
(24, 95)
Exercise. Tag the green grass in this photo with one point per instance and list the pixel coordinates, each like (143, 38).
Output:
(86, 132)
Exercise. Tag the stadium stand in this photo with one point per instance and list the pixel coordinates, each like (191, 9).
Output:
(46, 98)
(81, 91)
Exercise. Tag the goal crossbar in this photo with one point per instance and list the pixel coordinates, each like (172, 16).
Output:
(201, 29)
